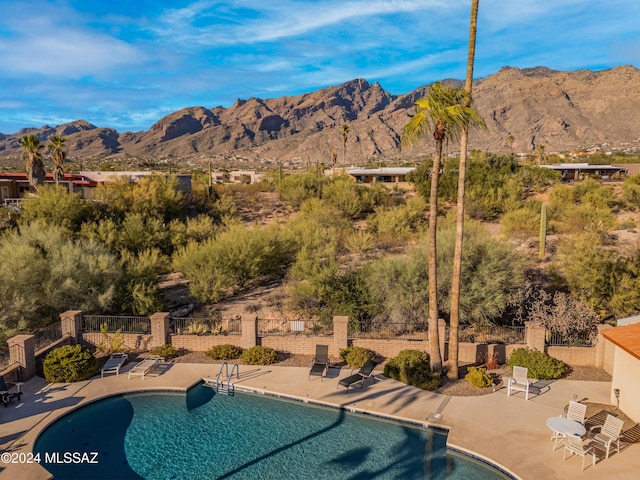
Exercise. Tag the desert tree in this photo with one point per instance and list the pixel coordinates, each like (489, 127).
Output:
(58, 155)
(32, 155)
(446, 111)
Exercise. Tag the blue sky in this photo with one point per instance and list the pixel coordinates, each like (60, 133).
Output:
(124, 64)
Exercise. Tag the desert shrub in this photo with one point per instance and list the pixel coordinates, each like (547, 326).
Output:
(559, 313)
(111, 344)
(539, 364)
(604, 280)
(69, 363)
(165, 351)
(402, 220)
(412, 367)
(359, 241)
(631, 190)
(478, 377)
(522, 223)
(297, 188)
(55, 205)
(259, 355)
(356, 356)
(224, 352)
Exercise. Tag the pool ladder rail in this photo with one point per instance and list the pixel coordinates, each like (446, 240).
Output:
(221, 387)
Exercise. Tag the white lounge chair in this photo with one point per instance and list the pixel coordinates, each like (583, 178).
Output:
(576, 446)
(145, 366)
(518, 381)
(113, 365)
(609, 432)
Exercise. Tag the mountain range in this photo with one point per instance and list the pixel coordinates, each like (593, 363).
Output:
(523, 108)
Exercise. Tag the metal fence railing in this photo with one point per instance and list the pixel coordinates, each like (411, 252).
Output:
(205, 326)
(48, 335)
(272, 326)
(556, 339)
(491, 334)
(389, 330)
(93, 323)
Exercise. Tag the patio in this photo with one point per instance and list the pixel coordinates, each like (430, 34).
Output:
(508, 431)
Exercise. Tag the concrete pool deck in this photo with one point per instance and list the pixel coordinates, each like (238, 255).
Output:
(507, 431)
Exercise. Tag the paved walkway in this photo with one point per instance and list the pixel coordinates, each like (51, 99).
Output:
(509, 431)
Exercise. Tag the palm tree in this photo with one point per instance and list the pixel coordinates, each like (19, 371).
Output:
(540, 156)
(32, 155)
(344, 132)
(56, 146)
(446, 110)
(456, 276)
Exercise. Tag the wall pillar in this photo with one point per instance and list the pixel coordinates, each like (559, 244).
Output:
(249, 332)
(600, 346)
(340, 333)
(71, 323)
(535, 336)
(22, 351)
(159, 329)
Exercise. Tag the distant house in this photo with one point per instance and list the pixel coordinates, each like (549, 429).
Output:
(579, 171)
(381, 175)
(14, 186)
(237, 176)
(99, 178)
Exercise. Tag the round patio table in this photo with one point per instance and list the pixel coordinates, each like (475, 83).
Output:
(563, 426)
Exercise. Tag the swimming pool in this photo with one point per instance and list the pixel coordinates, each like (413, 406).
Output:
(246, 436)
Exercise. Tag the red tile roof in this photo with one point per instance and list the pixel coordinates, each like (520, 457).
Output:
(627, 338)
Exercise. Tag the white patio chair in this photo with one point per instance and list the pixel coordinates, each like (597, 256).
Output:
(576, 446)
(519, 382)
(609, 432)
(576, 412)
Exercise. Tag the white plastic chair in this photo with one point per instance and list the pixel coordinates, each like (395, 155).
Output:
(519, 382)
(576, 446)
(576, 412)
(609, 432)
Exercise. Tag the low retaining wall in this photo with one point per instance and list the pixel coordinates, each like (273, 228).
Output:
(296, 344)
(202, 343)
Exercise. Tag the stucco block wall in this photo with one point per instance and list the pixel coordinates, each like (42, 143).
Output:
(626, 378)
(202, 343)
(297, 344)
(579, 356)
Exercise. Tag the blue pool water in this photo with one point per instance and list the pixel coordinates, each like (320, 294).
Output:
(204, 436)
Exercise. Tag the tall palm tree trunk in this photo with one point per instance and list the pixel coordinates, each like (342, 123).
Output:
(434, 335)
(456, 278)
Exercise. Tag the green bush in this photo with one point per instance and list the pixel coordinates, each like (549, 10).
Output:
(259, 355)
(412, 367)
(224, 352)
(165, 351)
(356, 357)
(69, 363)
(478, 377)
(539, 364)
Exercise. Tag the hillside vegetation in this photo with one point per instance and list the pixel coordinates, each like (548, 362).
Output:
(331, 247)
